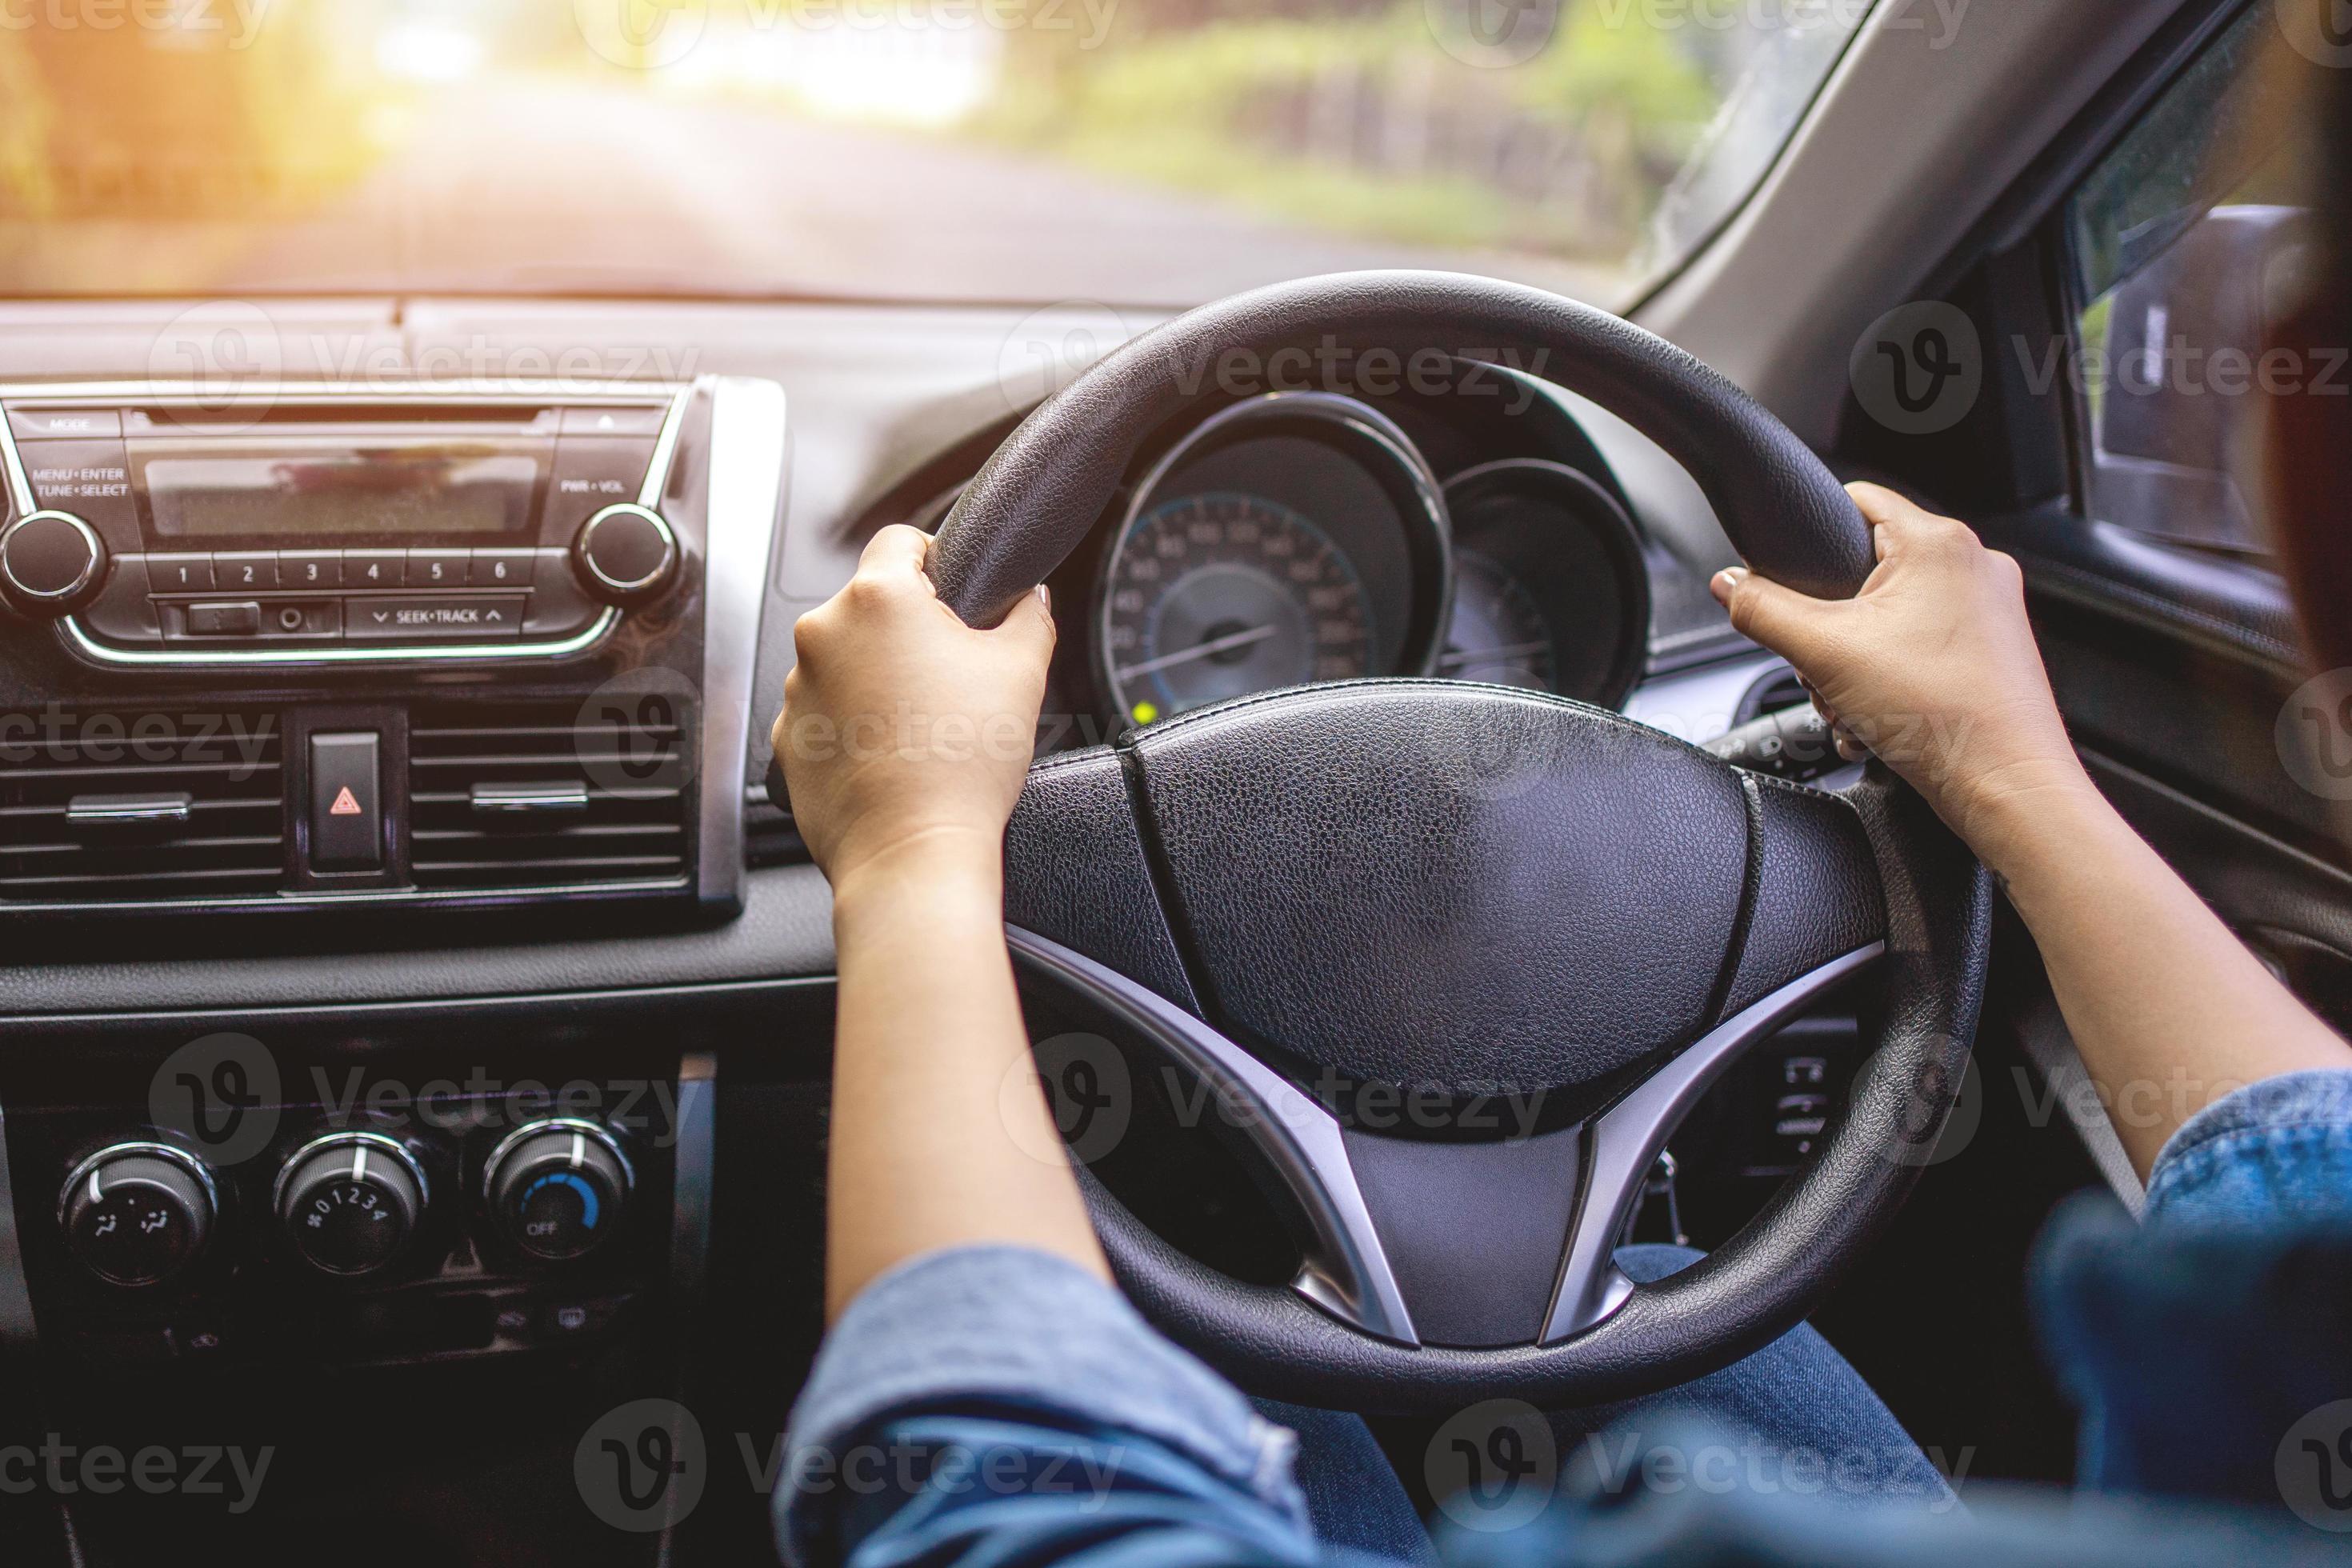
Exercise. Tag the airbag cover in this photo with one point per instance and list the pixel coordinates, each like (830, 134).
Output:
(1469, 889)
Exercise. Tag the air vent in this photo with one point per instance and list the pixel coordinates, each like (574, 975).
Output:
(109, 807)
(547, 796)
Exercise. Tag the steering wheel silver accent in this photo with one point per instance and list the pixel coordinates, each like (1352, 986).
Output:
(1347, 1271)
(1623, 1142)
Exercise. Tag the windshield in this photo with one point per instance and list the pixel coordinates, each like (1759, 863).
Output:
(1143, 152)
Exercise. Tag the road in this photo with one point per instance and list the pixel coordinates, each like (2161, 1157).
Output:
(576, 188)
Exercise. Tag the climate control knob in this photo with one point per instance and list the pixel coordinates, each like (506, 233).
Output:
(51, 562)
(138, 1213)
(556, 1188)
(625, 555)
(349, 1202)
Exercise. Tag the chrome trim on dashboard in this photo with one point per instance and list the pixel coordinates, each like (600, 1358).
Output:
(1623, 1142)
(96, 563)
(578, 1127)
(1347, 1271)
(748, 448)
(361, 1144)
(586, 557)
(170, 1153)
(580, 642)
(178, 394)
(393, 898)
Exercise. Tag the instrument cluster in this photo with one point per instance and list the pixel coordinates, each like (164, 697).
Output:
(1305, 537)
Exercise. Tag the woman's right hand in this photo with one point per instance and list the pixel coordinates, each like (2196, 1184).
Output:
(1932, 667)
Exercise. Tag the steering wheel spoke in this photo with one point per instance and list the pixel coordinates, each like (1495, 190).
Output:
(1346, 1270)
(1624, 1143)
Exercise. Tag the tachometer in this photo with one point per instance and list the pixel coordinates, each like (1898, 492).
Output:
(1499, 634)
(1223, 593)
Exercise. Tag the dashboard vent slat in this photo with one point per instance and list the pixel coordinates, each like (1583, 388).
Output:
(221, 775)
(618, 803)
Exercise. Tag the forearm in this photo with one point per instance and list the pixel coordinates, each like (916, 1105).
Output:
(2168, 1009)
(930, 1149)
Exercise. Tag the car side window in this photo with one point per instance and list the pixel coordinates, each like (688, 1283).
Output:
(2187, 242)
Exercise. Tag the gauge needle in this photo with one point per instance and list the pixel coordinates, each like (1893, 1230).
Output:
(1213, 646)
(1490, 654)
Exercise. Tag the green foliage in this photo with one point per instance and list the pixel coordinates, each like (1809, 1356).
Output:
(1218, 109)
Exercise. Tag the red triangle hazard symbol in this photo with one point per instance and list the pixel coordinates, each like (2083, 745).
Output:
(346, 804)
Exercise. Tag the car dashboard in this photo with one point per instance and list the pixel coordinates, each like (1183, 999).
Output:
(387, 872)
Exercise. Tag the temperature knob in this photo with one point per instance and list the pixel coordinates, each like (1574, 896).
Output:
(350, 1201)
(51, 562)
(557, 1187)
(625, 555)
(138, 1213)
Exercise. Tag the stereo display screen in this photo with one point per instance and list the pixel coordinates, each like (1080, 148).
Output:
(340, 495)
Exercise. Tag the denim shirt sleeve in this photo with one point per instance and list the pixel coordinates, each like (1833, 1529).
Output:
(1003, 1405)
(2274, 1153)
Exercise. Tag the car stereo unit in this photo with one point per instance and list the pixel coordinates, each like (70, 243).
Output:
(385, 645)
(170, 529)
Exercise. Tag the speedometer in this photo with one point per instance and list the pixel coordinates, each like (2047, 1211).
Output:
(1223, 593)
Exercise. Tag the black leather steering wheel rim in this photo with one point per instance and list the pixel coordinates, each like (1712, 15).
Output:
(1092, 842)
(1034, 499)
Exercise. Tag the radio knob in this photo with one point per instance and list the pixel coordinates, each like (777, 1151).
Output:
(137, 1213)
(51, 563)
(556, 1188)
(350, 1201)
(625, 555)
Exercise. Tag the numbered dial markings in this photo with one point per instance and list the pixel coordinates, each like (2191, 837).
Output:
(1222, 594)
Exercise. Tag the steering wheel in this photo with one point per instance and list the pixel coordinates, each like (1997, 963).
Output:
(1342, 902)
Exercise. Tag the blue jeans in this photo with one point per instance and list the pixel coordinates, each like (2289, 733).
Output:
(1795, 1397)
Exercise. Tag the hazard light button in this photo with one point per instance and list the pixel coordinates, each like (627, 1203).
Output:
(346, 803)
